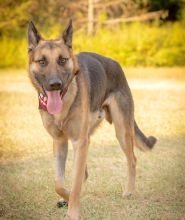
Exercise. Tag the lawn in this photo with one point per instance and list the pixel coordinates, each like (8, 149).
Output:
(26, 160)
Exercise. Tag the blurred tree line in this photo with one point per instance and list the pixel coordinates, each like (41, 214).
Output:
(15, 14)
(134, 32)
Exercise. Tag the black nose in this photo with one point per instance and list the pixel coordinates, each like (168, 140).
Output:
(55, 84)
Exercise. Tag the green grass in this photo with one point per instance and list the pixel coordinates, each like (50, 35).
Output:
(26, 160)
(136, 44)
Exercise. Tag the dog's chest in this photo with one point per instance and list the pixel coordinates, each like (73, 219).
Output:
(58, 122)
(73, 125)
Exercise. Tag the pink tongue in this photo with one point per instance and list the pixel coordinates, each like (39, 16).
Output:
(54, 102)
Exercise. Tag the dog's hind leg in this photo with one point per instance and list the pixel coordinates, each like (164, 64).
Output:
(121, 109)
(60, 154)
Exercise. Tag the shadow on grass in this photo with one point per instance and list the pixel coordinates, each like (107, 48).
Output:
(27, 190)
(27, 187)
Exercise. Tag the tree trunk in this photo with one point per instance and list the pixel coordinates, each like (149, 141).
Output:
(90, 17)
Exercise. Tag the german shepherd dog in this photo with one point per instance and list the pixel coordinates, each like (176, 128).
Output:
(76, 92)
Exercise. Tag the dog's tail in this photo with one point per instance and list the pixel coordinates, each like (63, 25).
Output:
(141, 141)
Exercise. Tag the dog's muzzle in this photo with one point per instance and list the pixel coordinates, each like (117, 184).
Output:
(55, 84)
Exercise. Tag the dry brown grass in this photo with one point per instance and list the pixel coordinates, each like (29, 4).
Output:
(26, 169)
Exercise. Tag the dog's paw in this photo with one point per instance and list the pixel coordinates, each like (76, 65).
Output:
(62, 203)
(127, 195)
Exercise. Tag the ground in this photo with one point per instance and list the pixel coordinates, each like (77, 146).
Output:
(26, 160)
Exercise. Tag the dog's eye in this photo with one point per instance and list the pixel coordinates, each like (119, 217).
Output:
(62, 61)
(42, 62)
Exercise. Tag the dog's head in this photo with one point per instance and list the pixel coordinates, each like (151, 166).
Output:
(51, 63)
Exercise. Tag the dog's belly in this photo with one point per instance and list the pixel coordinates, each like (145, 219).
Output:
(95, 119)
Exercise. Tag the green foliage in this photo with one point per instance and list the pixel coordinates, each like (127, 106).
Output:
(139, 44)
(14, 15)
(13, 52)
(132, 45)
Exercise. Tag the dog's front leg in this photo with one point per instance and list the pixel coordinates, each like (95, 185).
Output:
(60, 147)
(81, 150)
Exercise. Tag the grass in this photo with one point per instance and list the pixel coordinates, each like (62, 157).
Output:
(136, 44)
(26, 160)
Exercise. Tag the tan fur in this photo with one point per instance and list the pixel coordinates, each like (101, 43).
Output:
(77, 121)
(77, 126)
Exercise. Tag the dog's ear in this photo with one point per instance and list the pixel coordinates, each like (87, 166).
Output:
(68, 34)
(33, 36)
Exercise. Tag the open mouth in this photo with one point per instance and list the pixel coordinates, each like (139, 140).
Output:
(54, 101)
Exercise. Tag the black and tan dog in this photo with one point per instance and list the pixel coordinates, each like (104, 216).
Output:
(76, 92)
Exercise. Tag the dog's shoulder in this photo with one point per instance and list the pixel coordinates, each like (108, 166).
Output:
(104, 76)
(98, 65)
(95, 76)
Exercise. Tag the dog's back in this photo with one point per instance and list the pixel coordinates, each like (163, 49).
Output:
(104, 76)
